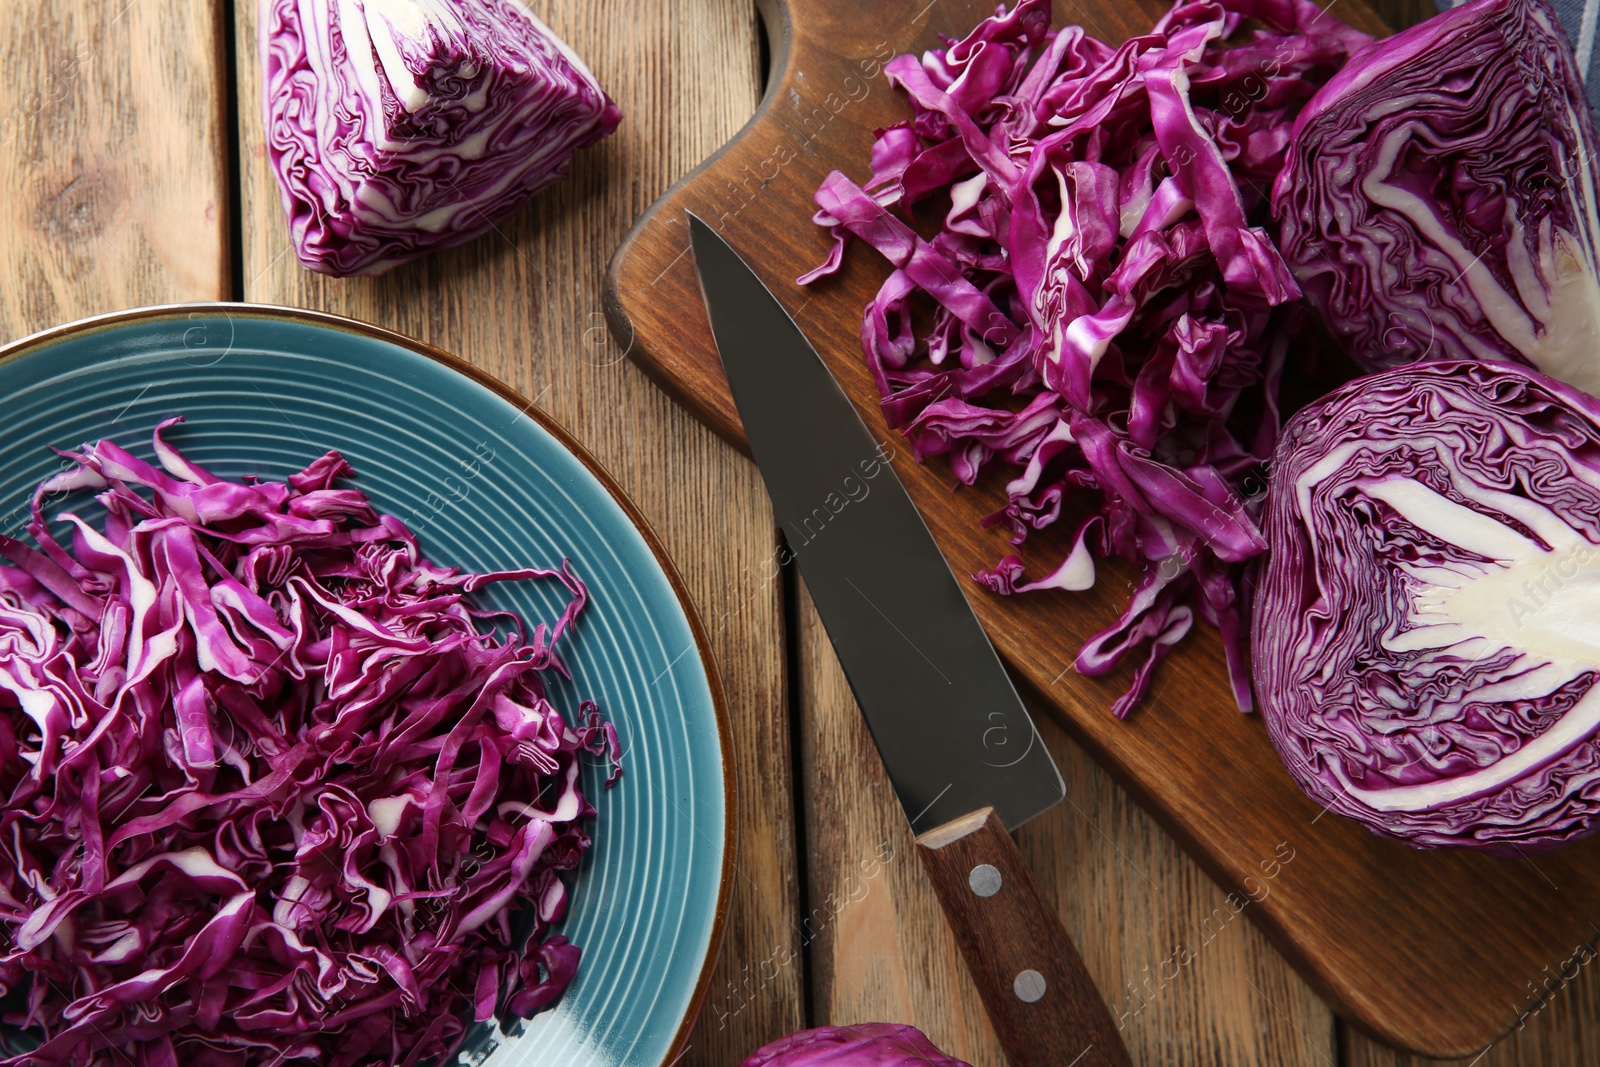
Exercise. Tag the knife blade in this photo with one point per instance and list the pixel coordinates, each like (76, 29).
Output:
(961, 750)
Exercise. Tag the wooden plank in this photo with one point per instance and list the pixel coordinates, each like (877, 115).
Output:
(1187, 980)
(1559, 1023)
(113, 158)
(524, 304)
(1210, 774)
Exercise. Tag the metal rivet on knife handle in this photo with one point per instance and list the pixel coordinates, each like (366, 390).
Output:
(985, 880)
(1041, 998)
(1029, 987)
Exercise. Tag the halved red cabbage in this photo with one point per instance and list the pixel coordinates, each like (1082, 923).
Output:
(861, 1045)
(1425, 637)
(399, 127)
(1111, 321)
(1439, 197)
(270, 784)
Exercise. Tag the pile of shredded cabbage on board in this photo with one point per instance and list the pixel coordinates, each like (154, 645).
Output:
(270, 784)
(1100, 314)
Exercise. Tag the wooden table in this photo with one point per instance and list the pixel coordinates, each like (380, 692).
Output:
(133, 172)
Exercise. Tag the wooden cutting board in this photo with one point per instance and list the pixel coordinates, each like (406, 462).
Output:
(1438, 953)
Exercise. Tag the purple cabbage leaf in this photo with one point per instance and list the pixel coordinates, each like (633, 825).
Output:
(860, 1045)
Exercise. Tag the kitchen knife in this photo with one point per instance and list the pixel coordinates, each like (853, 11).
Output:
(960, 748)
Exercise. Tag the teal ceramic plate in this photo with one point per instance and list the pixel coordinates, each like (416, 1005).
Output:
(489, 483)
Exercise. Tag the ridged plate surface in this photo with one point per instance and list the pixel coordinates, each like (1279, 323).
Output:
(487, 486)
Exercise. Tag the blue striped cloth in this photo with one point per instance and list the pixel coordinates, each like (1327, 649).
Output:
(1578, 19)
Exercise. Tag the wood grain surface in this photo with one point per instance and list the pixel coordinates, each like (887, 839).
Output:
(523, 304)
(104, 102)
(135, 138)
(1376, 927)
(1189, 982)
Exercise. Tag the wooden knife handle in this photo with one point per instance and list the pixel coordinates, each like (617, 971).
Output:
(1043, 1003)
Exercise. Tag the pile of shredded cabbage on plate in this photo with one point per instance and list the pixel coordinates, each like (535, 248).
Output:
(270, 783)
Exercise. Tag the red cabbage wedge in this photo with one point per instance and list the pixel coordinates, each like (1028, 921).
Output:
(1426, 637)
(1439, 197)
(270, 783)
(1110, 320)
(399, 127)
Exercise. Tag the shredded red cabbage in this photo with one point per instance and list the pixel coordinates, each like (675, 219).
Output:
(271, 783)
(1111, 323)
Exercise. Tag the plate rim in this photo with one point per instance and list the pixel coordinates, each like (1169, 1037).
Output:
(526, 409)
